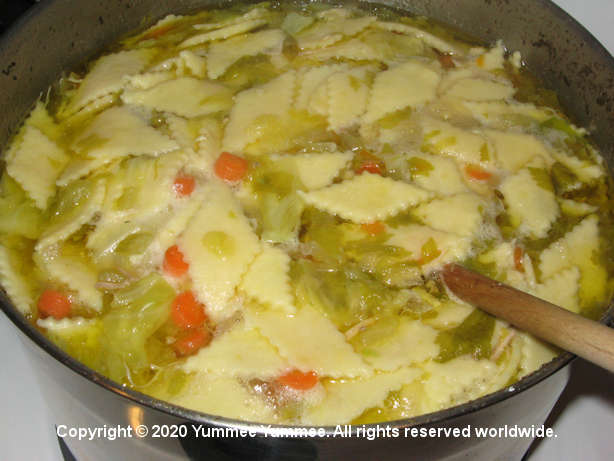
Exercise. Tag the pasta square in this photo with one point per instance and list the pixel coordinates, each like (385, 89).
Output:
(272, 98)
(268, 281)
(218, 244)
(107, 76)
(222, 55)
(390, 93)
(35, 163)
(366, 198)
(185, 96)
(347, 399)
(308, 341)
(239, 353)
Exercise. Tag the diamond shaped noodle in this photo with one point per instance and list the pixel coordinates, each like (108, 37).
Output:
(315, 170)
(18, 288)
(429, 39)
(268, 280)
(515, 150)
(309, 79)
(561, 289)
(480, 89)
(241, 352)
(35, 163)
(366, 198)
(348, 94)
(223, 396)
(390, 91)
(108, 76)
(443, 138)
(345, 400)
(531, 207)
(459, 214)
(222, 55)
(72, 267)
(326, 33)
(413, 237)
(219, 245)
(308, 341)
(117, 132)
(185, 96)
(393, 352)
(148, 79)
(445, 177)
(469, 377)
(272, 98)
(223, 33)
(573, 248)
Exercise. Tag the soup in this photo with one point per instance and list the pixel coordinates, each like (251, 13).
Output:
(244, 212)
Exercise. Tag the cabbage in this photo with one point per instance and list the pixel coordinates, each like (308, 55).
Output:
(281, 218)
(376, 334)
(279, 205)
(136, 313)
(338, 244)
(473, 336)
(345, 295)
(69, 203)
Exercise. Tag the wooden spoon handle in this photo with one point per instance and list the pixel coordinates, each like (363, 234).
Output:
(586, 338)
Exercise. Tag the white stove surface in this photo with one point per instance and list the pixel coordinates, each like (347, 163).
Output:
(583, 418)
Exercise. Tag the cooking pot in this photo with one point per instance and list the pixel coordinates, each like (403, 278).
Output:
(61, 34)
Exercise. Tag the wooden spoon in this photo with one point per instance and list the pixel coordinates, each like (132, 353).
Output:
(586, 338)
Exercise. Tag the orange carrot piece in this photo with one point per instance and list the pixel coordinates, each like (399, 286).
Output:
(174, 263)
(192, 342)
(518, 256)
(478, 173)
(369, 166)
(298, 380)
(187, 312)
(366, 161)
(54, 304)
(374, 228)
(184, 185)
(230, 167)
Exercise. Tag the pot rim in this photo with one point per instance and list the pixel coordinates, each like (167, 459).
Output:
(545, 371)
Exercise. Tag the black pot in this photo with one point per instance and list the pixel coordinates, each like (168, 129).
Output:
(61, 34)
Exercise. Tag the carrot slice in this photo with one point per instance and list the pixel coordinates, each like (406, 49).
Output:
(230, 167)
(54, 304)
(478, 173)
(192, 342)
(184, 185)
(173, 262)
(366, 161)
(518, 256)
(374, 228)
(298, 380)
(480, 61)
(369, 166)
(187, 312)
